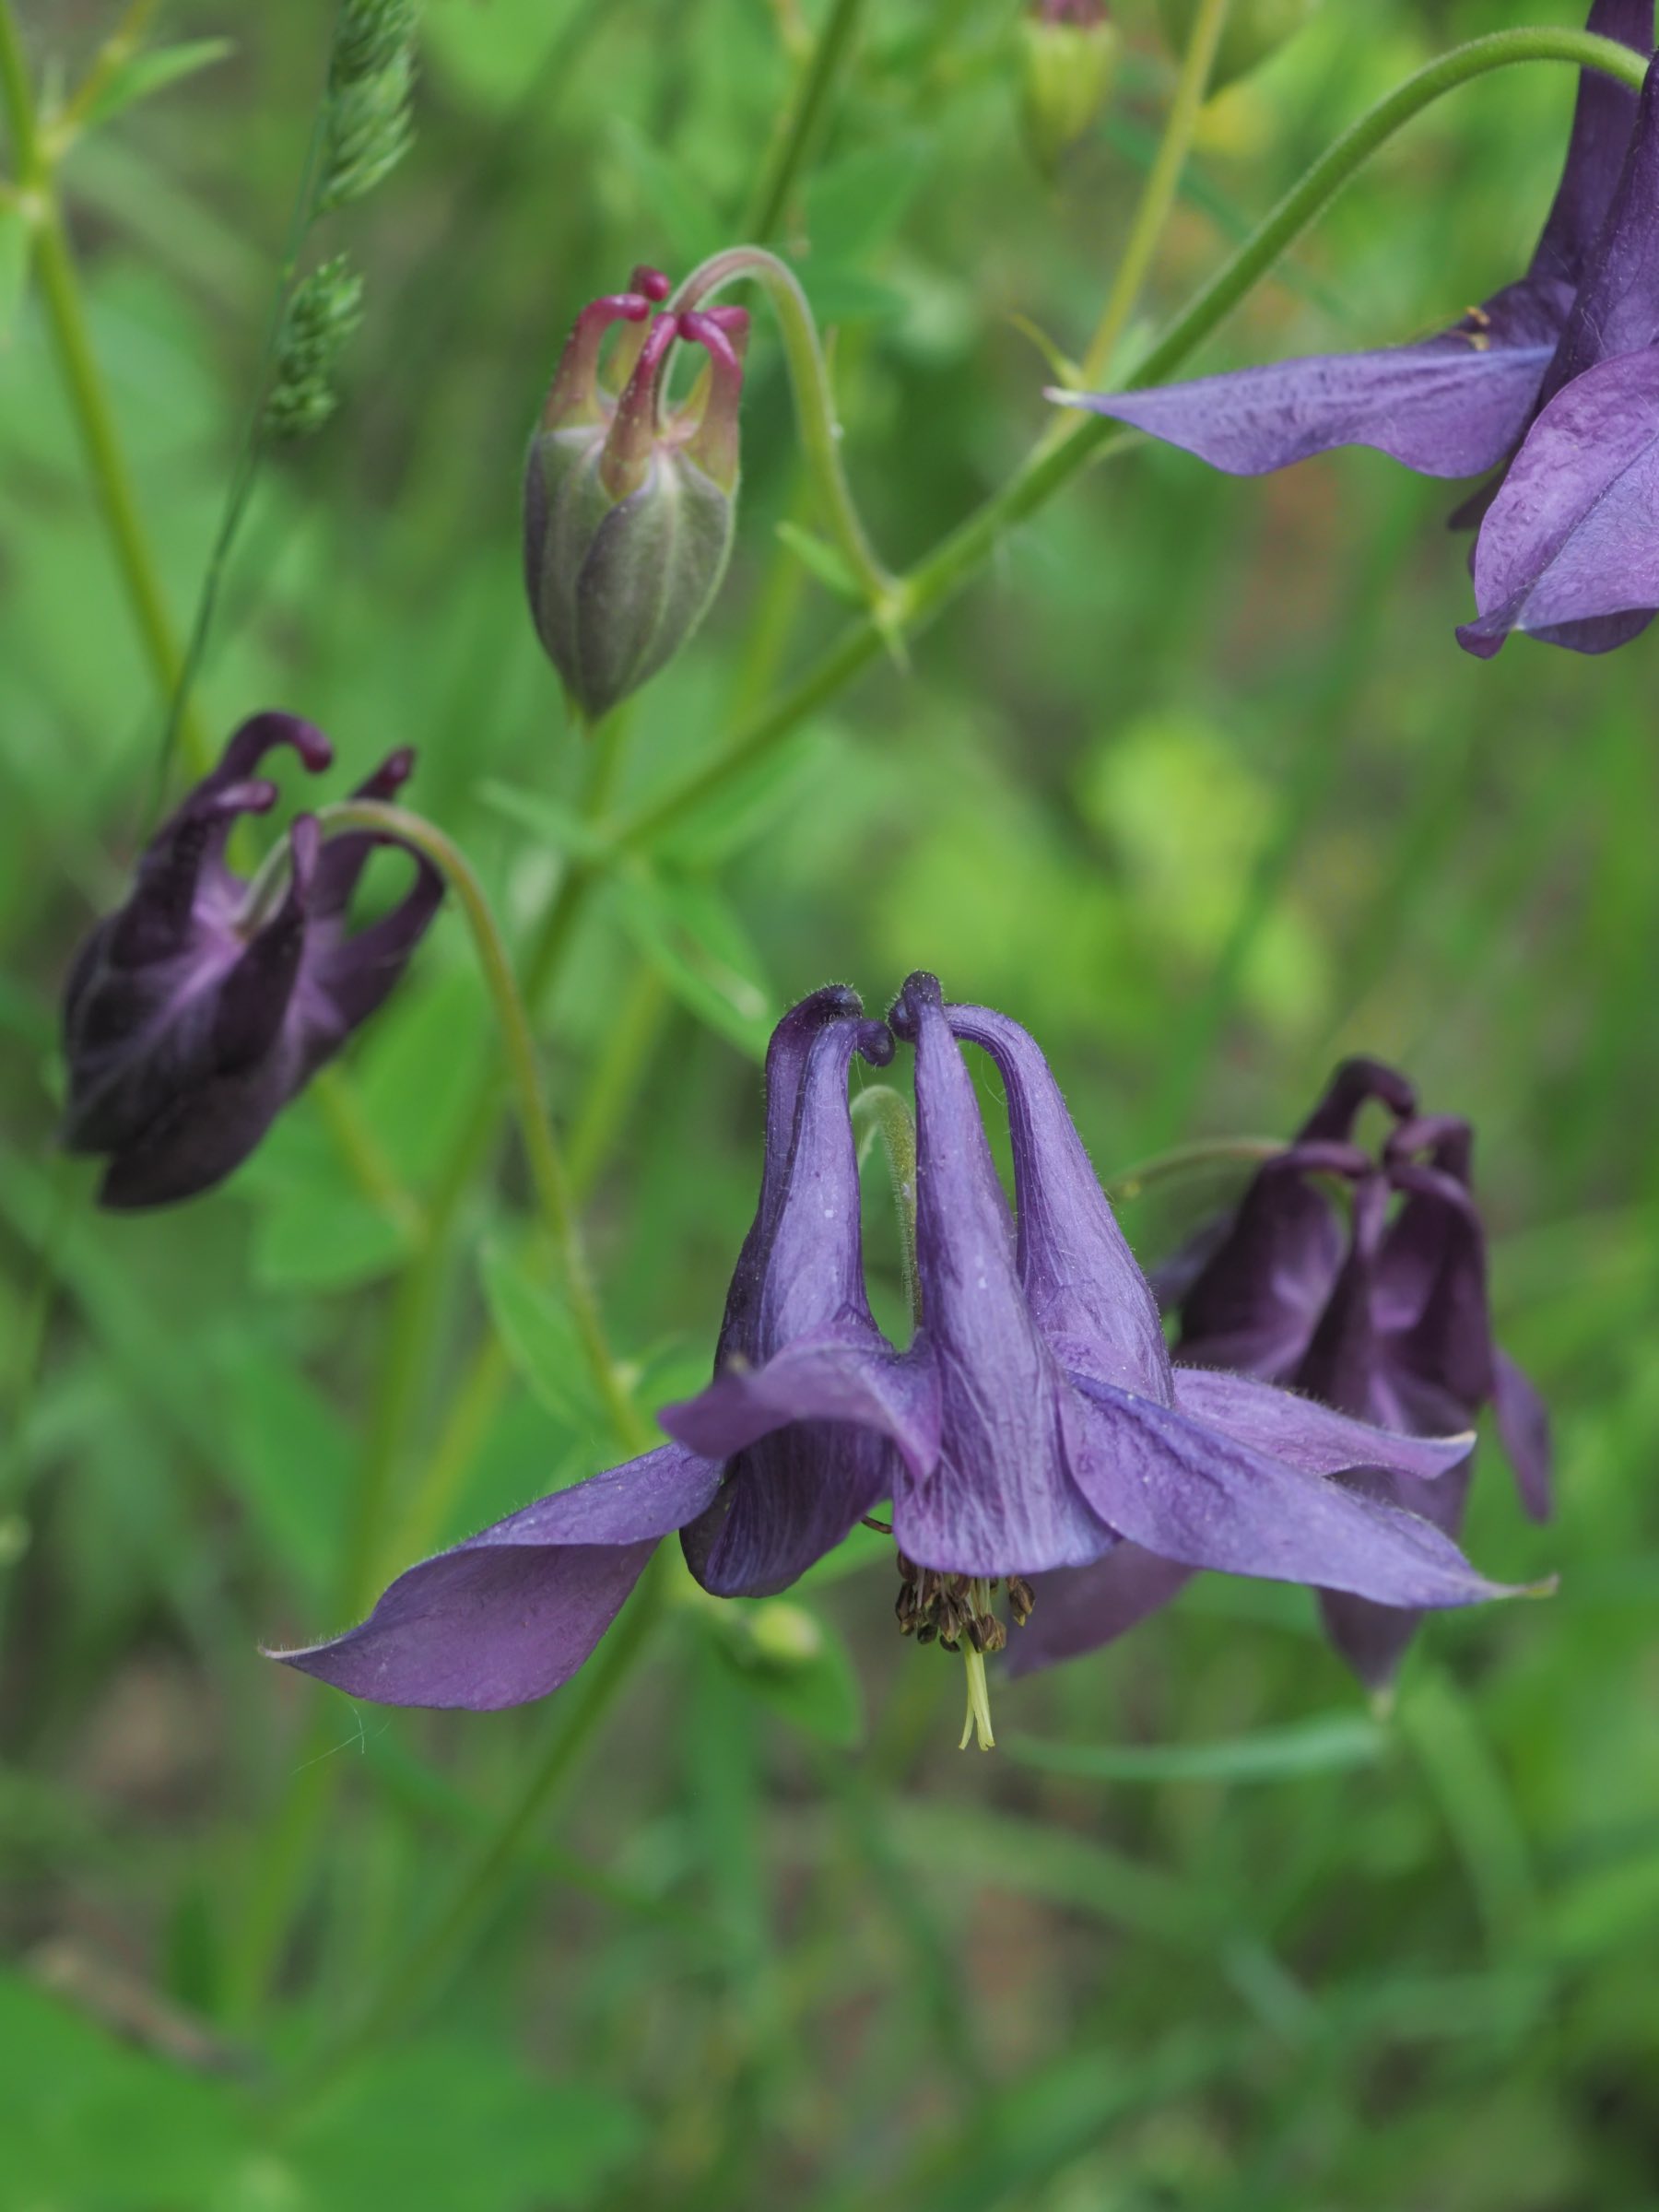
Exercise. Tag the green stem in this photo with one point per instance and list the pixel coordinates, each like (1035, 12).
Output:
(804, 119)
(1188, 1159)
(83, 385)
(582, 1706)
(1164, 181)
(547, 1164)
(879, 1109)
(1055, 461)
(815, 408)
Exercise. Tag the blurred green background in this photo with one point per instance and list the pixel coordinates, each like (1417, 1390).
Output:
(1194, 782)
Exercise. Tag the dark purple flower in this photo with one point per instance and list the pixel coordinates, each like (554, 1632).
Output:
(515, 1611)
(190, 1023)
(1381, 1314)
(1552, 380)
(1046, 1428)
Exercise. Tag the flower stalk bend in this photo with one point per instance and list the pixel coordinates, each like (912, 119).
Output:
(815, 413)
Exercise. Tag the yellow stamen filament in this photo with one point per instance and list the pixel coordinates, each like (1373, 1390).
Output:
(978, 1721)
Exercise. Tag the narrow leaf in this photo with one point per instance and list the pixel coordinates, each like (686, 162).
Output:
(141, 75)
(1321, 1746)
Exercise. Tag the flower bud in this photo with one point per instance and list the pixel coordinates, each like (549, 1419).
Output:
(1070, 62)
(1255, 30)
(192, 1014)
(628, 507)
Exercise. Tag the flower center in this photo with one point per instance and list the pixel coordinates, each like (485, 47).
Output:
(954, 1611)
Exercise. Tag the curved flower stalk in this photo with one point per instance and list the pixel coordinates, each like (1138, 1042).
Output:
(1550, 379)
(1035, 1425)
(191, 1015)
(1385, 1316)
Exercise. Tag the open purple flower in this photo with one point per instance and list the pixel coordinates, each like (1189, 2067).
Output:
(190, 1022)
(512, 1612)
(1553, 380)
(1044, 1426)
(1382, 1315)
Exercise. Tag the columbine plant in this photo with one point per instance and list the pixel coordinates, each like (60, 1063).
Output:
(1554, 381)
(1035, 1424)
(198, 1009)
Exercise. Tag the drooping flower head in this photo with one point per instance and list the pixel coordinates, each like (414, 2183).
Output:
(1034, 1428)
(1380, 1310)
(189, 1020)
(1553, 380)
(629, 506)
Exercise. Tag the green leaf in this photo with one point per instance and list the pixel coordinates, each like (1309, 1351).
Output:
(685, 927)
(325, 1236)
(779, 784)
(16, 246)
(791, 1659)
(857, 202)
(1320, 1746)
(537, 1335)
(821, 557)
(141, 75)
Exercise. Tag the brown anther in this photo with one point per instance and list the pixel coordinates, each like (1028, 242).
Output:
(908, 1570)
(949, 1644)
(957, 1584)
(904, 1608)
(992, 1632)
(927, 1632)
(951, 1617)
(1022, 1599)
(882, 1528)
(976, 1630)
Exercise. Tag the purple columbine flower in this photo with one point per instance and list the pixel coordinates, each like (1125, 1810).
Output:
(1554, 381)
(1383, 1315)
(1035, 1423)
(515, 1611)
(189, 1021)
(1044, 1429)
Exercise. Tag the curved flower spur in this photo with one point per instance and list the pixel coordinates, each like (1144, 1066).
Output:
(1552, 381)
(1042, 1427)
(515, 1611)
(192, 1016)
(1384, 1316)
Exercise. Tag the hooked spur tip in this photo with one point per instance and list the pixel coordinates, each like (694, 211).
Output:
(920, 990)
(260, 733)
(391, 776)
(650, 283)
(876, 1042)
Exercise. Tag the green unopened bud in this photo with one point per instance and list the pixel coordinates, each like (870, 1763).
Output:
(1255, 30)
(1070, 62)
(783, 1635)
(628, 508)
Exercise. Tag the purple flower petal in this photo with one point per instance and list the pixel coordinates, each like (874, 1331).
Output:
(1452, 407)
(1371, 1638)
(1568, 552)
(1087, 1294)
(1307, 1435)
(1181, 1489)
(807, 1391)
(515, 1611)
(1602, 120)
(1256, 1304)
(1616, 307)
(1080, 1608)
(1523, 1427)
(1001, 1499)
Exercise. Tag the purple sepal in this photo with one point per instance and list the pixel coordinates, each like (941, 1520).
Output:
(1080, 1608)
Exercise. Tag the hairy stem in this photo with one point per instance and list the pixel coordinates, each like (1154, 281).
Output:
(815, 407)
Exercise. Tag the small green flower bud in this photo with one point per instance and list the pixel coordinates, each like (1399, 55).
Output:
(1255, 30)
(628, 509)
(1070, 62)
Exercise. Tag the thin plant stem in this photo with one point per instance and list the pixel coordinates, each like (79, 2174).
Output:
(1188, 1159)
(1157, 195)
(804, 119)
(547, 1162)
(83, 385)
